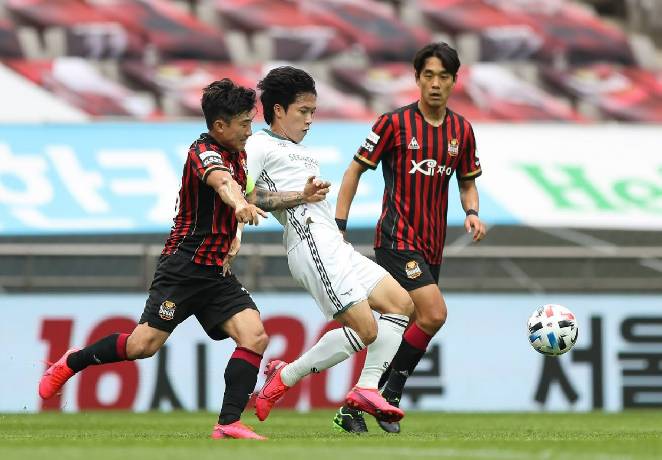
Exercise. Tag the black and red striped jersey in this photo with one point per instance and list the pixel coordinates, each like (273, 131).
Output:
(205, 226)
(418, 160)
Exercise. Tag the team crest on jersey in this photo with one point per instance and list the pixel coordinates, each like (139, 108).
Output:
(413, 144)
(413, 270)
(453, 147)
(167, 310)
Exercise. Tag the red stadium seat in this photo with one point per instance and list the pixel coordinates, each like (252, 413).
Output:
(78, 82)
(173, 32)
(482, 92)
(523, 29)
(88, 32)
(621, 93)
(372, 27)
(295, 33)
(9, 44)
(184, 81)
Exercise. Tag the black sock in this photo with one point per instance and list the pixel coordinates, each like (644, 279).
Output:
(384, 378)
(404, 362)
(110, 349)
(240, 380)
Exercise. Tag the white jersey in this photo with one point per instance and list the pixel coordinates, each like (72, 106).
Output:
(278, 164)
(319, 258)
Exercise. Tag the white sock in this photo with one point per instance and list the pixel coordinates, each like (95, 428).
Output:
(382, 350)
(333, 347)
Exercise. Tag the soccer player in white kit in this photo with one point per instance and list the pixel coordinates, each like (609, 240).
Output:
(346, 285)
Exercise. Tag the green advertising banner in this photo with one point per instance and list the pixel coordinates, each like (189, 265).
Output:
(600, 176)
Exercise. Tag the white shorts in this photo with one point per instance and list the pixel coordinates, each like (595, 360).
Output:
(335, 274)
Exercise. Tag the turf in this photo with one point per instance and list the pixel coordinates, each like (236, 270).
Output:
(184, 435)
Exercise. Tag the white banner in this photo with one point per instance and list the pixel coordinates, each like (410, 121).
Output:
(481, 360)
(600, 176)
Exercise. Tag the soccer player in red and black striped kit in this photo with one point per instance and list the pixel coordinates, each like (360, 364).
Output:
(193, 276)
(420, 147)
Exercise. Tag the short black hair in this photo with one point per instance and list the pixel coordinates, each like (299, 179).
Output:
(281, 86)
(225, 100)
(447, 55)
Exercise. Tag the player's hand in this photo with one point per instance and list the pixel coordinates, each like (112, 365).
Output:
(474, 225)
(247, 213)
(315, 190)
(232, 253)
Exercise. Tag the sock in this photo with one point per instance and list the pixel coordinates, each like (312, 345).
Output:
(240, 378)
(382, 350)
(412, 348)
(333, 347)
(110, 349)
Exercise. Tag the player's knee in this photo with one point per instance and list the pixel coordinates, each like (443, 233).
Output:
(406, 306)
(136, 350)
(139, 348)
(261, 342)
(433, 320)
(257, 341)
(368, 334)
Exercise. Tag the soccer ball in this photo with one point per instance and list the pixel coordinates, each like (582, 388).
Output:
(552, 330)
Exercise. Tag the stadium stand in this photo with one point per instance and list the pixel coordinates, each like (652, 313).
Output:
(620, 93)
(9, 44)
(77, 81)
(161, 47)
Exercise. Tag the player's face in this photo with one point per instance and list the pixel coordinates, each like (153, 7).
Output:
(435, 83)
(295, 122)
(233, 135)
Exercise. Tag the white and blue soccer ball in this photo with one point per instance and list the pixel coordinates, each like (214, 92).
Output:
(552, 330)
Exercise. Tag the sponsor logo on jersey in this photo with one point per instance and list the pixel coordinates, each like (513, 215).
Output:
(167, 310)
(413, 144)
(429, 167)
(453, 147)
(412, 270)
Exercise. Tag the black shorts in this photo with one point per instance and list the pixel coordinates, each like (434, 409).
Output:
(182, 288)
(408, 268)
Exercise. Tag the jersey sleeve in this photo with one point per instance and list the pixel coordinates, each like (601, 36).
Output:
(469, 165)
(205, 160)
(379, 140)
(255, 154)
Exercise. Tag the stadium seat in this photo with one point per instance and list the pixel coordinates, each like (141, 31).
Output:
(619, 92)
(483, 92)
(182, 81)
(295, 34)
(9, 44)
(536, 29)
(79, 82)
(86, 31)
(372, 27)
(172, 31)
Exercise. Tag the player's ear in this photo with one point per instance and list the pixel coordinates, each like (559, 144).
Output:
(279, 111)
(219, 125)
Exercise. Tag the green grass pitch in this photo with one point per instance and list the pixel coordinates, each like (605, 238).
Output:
(310, 436)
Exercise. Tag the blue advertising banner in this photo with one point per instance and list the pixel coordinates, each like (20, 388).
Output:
(124, 177)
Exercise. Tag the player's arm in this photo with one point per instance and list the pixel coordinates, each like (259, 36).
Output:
(348, 187)
(315, 190)
(232, 195)
(470, 204)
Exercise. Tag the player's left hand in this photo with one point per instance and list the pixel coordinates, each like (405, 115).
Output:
(315, 189)
(474, 224)
(232, 253)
